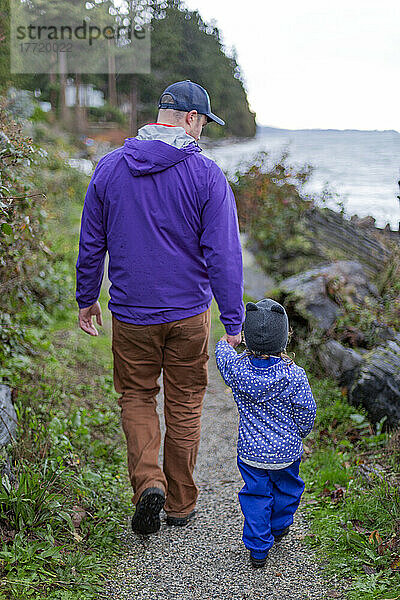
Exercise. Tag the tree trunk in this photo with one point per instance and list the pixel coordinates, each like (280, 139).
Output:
(53, 81)
(79, 125)
(112, 86)
(64, 112)
(134, 101)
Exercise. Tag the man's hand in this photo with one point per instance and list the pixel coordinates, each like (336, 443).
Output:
(233, 340)
(85, 318)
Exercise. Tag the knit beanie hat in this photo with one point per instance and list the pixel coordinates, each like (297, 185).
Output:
(266, 327)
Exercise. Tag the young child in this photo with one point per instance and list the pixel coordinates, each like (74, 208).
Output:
(276, 410)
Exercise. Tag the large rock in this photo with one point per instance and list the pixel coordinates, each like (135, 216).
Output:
(8, 417)
(375, 383)
(339, 362)
(315, 291)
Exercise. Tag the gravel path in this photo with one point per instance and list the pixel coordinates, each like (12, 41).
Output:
(207, 560)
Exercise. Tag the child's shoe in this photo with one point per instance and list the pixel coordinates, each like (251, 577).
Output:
(257, 563)
(279, 536)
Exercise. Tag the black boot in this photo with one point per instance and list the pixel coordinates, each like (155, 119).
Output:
(147, 514)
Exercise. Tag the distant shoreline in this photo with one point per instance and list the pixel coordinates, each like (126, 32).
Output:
(261, 129)
(358, 168)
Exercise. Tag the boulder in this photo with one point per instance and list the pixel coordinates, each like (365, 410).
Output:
(8, 417)
(339, 362)
(375, 383)
(316, 290)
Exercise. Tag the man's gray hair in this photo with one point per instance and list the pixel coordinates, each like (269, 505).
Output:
(167, 99)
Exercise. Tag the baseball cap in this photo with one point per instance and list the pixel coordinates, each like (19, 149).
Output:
(187, 96)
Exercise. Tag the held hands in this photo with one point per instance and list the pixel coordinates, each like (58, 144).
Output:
(233, 340)
(85, 318)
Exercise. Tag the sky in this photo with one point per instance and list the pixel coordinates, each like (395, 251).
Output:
(315, 63)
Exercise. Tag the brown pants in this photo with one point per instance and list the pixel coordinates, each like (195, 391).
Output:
(140, 353)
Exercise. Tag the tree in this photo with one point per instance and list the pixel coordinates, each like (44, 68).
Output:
(185, 47)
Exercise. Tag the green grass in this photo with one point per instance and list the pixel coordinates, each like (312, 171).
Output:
(353, 507)
(69, 459)
(355, 521)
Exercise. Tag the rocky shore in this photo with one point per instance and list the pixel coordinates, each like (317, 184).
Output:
(345, 308)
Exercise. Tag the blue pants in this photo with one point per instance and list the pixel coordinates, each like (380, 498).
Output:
(268, 500)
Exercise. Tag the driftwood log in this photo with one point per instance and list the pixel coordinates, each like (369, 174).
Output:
(334, 237)
(375, 383)
(8, 417)
(372, 378)
(338, 361)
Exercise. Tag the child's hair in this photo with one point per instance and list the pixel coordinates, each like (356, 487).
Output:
(283, 355)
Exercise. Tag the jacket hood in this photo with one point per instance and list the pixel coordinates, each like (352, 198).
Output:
(171, 134)
(157, 148)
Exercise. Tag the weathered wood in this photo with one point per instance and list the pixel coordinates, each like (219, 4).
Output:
(334, 237)
(8, 417)
(338, 361)
(375, 383)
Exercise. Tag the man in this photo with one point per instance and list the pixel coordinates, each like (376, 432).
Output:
(167, 217)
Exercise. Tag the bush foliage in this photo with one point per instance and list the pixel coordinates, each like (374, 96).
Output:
(270, 208)
(63, 487)
(23, 254)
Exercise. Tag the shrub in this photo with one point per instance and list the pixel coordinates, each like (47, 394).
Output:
(32, 277)
(107, 113)
(270, 208)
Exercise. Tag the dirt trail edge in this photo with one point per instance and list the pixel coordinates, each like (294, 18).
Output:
(207, 560)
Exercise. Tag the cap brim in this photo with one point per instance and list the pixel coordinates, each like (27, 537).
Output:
(212, 117)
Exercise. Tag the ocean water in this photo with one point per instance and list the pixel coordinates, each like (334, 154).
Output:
(361, 168)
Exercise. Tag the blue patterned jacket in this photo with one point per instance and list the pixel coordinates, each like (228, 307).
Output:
(276, 406)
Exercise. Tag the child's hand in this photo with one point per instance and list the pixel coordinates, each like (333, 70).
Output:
(233, 340)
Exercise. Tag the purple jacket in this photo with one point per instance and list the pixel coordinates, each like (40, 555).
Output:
(167, 217)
